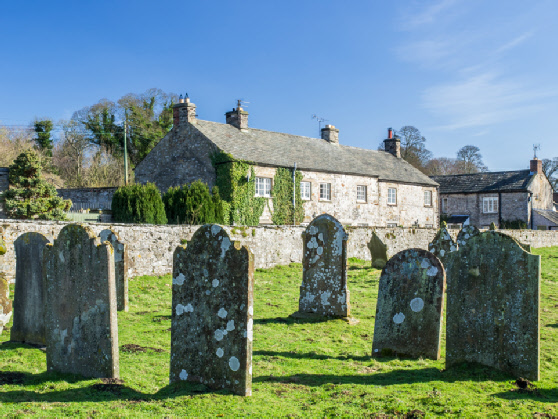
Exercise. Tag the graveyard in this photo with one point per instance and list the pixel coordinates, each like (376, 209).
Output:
(302, 366)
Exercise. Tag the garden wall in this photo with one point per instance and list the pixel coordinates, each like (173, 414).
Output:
(150, 248)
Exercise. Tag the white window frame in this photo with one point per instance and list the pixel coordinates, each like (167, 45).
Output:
(325, 191)
(306, 191)
(427, 198)
(362, 193)
(392, 196)
(490, 205)
(263, 187)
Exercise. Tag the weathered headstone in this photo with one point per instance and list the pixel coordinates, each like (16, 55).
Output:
(120, 268)
(5, 302)
(409, 307)
(442, 244)
(212, 312)
(493, 305)
(324, 269)
(29, 299)
(378, 252)
(466, 233)
(80, 304)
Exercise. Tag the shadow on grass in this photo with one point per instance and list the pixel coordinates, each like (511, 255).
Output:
(9, 345)
(293, 320)
(555, 325)
(98, 392)
(540, 395)
(314, 355)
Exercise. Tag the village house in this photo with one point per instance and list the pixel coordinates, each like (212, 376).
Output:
(357, 186)
(480, 199)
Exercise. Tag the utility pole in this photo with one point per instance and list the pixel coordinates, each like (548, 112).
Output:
(125, 148)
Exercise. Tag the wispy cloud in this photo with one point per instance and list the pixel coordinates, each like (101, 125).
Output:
(483, 100)
(428, 15)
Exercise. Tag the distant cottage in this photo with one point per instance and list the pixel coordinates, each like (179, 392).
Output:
(480, 199)
(355, 185)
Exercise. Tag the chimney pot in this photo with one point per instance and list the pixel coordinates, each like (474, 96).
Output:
(536, 166)
(392, 144)
(331, 134)
(183, 112)
(237, 117)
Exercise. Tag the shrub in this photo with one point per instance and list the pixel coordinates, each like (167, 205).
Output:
(195, 204)
(29, 195)
(138, 204)
(513, 225)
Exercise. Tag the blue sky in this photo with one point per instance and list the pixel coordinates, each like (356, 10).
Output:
(462, 71)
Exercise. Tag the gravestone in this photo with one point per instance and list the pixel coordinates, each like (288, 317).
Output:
(378, 252)
(443, 244)
(80, 304)
(409, 307)
(29, 295)
(466, 233)
(5, 303)
(493, 305)
(212, 312)
(120, 268)
(324, 269)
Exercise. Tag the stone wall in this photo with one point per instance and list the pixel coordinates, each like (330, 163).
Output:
(150, 247)
(93, 198)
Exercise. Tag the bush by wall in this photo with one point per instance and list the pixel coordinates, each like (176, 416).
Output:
(140, 204)
(195, 204)
(513, 225)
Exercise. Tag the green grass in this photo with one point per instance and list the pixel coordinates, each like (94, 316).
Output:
(302, 368)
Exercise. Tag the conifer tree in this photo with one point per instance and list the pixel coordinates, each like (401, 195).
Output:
(29, 195)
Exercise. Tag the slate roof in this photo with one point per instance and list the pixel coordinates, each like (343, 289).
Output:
(484, 182)
(312, 154)
(551, 216)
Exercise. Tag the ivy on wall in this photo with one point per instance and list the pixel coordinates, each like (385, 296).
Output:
(283, 211)
(237, 186)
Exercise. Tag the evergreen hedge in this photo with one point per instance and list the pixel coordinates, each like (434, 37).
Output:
(195, 204)
(141, 204)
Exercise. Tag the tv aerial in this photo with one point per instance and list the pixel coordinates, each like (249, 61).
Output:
(535, 148)
(320, 120)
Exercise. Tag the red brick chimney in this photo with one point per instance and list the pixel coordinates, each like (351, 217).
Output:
(536, 166)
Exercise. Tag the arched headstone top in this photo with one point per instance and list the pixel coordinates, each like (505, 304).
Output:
(109, 235)
(442, 244)
(491, 236)
(213, 238)
(326, 218)
(76, 233)
(30, 237)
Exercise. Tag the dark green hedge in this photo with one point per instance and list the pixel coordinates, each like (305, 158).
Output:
(195, 204)
(140, 204)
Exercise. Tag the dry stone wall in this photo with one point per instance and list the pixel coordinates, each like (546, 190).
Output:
(150, 247)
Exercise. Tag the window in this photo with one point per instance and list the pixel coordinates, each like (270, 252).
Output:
(325, 191)
(427, 198)
(263, 187)
(444, 205)
(305, 191)
(392, 196)
(391, 225)
(361, 193)
(490, 205)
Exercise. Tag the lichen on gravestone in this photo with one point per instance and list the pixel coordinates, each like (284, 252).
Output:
(120, 267)
(443, 244)
(324, 269)
(409, 308)
(493, 301)
(466, 233)
(212, 312)
(5, 302)
(80, 304)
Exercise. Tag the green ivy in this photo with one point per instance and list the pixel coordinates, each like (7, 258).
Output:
(283, 197)
(237, 186)
(513, 225)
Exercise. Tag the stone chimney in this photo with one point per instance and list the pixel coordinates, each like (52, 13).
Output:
(331, 134)
(237, 117)
(536, 166)
(392, 144)
(183, 112)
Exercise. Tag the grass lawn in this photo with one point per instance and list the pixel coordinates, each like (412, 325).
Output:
(302, 368)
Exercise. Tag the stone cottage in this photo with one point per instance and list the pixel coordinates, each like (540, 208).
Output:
(480, 199)
(357, 186)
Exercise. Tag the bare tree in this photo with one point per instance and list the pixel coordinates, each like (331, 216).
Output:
(472, 159)
(550, 169)
(413, 148)
(444, 166)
